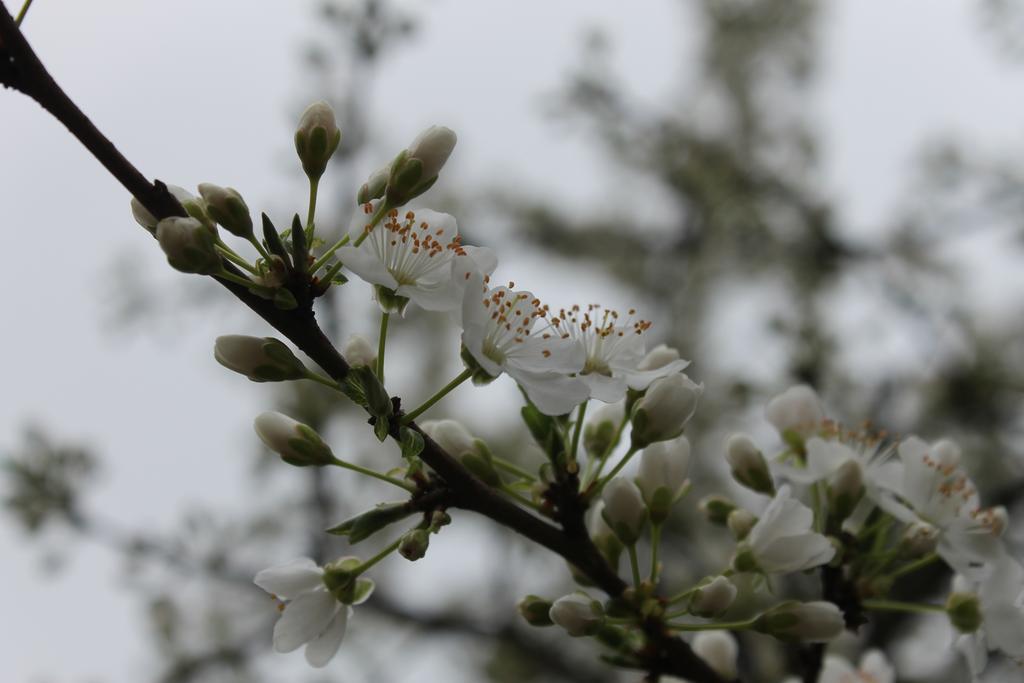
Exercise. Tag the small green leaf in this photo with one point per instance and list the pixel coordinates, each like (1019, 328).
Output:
(411, 442)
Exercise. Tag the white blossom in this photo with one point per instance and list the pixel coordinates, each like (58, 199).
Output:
(664, 465)
(450, 435)
(665, 409)
(296, 443)
(1001, 598)
(431, 148)
(933, 490)
(624, 509)
(719, 649)
(782, 540)
(419, 257)
(311, 615)
(797, 411)
(713, 598)
(813, 622)
(359, 352)
(507, 331)
(614, 351)
(873, 668)
(576, 613)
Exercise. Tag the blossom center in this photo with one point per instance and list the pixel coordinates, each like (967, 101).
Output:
(410, 249)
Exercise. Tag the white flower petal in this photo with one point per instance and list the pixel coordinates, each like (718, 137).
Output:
(604, 388)
(290, 579)
(553, 394)
(304, 619)
(641, 379)
(364, 263)
(322, 648)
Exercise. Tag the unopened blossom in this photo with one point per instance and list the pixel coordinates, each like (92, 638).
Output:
(450, 435)
(296, 443)
(811, 622)
(316, 138)
(662, 475)
(505, 330)
(782, 540)
(311, 615)
(417, 256)
(1001, 600)
(194, 207)
(261, 359)
(713, 598)
(189, 245)
(624, 509)
(614, 350)
(796, 411)
(226, 206)
(601, 428)
(719, 649)
(577, 613)
(665, 409)
(415, 169)
(873, 668)
(748, 465)
(934, 491)
(359, 352)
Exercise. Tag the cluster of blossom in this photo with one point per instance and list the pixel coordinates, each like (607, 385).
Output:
(879, 510)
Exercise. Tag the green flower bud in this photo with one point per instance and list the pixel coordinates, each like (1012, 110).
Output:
(578, 614)
(713, 597)
(812, 622)
(226, 206)
(964, 611)
(665, 409)
(365, 524)
(740, 522)
(189, 245)
(748, 465)
(316, 138)
(624, 510)
(413, 544)
(261, 359)
(716, 508)
(415, 170)
(296, 443)
(374, 186)
(535, 610)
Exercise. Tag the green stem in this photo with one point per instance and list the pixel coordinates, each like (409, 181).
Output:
(618, 468)
(634, 564)
(588, 477)
(655, 542)
(920, 563)
(896, 606)
(463, 376)
(577, 431)
(237, 279)
(381, 343)
(378, 557)
(376, 475)
(320, 379)
(380, 213)
(683, 595)
(511, 468)
(329, 275)
(520, 498)
(259, 247)
(314, 184)
(21, 14)
(720, 626)
(229, 253)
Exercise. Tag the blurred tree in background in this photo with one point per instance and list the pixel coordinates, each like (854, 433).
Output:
(750, 269)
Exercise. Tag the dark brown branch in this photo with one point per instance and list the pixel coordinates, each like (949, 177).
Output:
(22, 70)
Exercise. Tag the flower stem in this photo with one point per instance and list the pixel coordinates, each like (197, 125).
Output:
(720, 626)
(618, 468)
(576, 432)
(381, 343)
(376, 475)
(589, 476)
(230, 254)
(511, 468)
(21, 14)
(320, 379)
(920, 563)
(679, 597)
(655, 542)
(463, 376)
(896, 606)
(380, 213)
(314, 185)
(379, 556)
(520, 498)
(259, 247)
(634, 564)
(237, 279)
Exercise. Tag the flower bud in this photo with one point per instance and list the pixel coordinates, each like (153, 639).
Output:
(316, 138)
(624, 509)
(812, 622)
(658, 357)
(189, 245)
(261, 359)
(472, 453)
(713, 598)
(226, 206)
(748, 465)
(796, 413)
(296, 443)
(740, 522)
(662, 475)
(194, 207)
(374, 186)
(600, 430)
(535, 610)
(365, 524)
(845, 489)
(919, 539)
(577, 614)
(359, 352)
(716, 508)
(665, 409)
(413, 544)
(415, 170)
(603, 536)
(719, 650)
(964, 611)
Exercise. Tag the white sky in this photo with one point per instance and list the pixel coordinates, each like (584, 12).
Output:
(204, 90)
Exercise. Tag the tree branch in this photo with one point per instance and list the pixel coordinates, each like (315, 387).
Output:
(21, 69)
